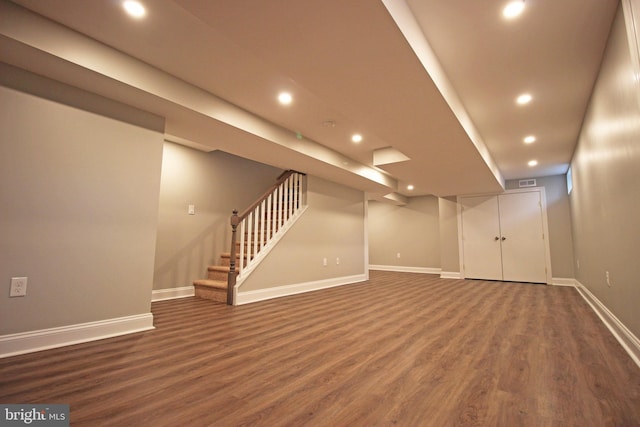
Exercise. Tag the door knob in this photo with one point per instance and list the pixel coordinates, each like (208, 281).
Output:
(504, 238)
(496, 238)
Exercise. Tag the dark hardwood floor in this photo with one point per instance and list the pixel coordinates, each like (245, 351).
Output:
(401, 349)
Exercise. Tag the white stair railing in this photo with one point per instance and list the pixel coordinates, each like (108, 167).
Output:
(262, 223)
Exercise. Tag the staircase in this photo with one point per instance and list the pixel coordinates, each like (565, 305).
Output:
(260, 227)
(214, 287)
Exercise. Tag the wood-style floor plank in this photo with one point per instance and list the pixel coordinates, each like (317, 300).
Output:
(400, 349)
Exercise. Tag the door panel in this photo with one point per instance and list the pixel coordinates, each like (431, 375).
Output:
(523, 245)
(480, 227)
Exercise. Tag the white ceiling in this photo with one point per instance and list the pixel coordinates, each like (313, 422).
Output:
(436, 80)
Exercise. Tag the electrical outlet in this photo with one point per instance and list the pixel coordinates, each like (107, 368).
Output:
(324, 262)
(337, 261)
(192, 209)
(18, 287)
(398, 255)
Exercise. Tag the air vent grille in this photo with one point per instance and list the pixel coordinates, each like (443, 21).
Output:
(527, 183)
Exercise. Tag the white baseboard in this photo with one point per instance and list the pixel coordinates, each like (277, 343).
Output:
(44, 339)
(562, 281)
(450, 275)
(282, 291)
(625, 337)
(172, 293)
(405, 269)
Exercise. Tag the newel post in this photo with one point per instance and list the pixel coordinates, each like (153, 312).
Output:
(231, 280)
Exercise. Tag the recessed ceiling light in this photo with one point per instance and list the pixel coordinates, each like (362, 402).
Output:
(134, 8)
(523, 99)
(513, 9)
(285, 98)
(356, 137)
(533, 163)
(529, 139)
(409, 187)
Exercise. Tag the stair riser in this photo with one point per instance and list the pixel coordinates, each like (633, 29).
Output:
(219, 295)
(217, 275)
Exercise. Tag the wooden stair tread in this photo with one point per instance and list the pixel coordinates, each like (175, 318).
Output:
(221, 268)
(217, 284)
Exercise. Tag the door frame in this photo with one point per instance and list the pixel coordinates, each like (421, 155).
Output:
(545, 226)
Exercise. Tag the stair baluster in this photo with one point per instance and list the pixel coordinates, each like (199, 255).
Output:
(261, 223)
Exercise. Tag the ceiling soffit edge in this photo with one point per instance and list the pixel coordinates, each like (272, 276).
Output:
(406, 22)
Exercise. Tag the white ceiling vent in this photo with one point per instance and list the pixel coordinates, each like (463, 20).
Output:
(527, 183)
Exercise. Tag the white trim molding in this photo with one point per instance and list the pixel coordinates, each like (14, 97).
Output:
(625, 337)
(405, 269)
(44, 339)
(563, 281)
(172, 293)
(299, 288)
(451, 275)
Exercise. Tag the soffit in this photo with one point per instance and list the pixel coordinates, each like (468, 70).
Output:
(348, 62)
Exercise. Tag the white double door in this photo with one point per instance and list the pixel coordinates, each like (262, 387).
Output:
(503, 237)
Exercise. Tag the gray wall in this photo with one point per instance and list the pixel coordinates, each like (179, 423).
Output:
(448, 221)
(605, 200)
(559, 220)
(413, 230)
(79, 196)
(425, 231)
(216, 183)
(333, 226)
